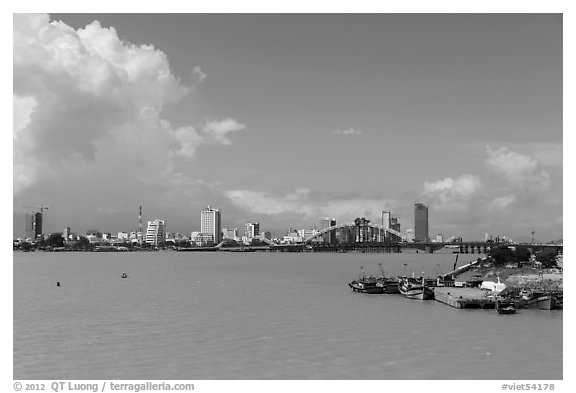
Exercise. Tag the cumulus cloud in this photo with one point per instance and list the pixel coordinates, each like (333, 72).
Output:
(302, 202)
(451, 190)
(87, 97)
(198, 75)
(520, 170)
(348, 132)
(217, 130)
(502, 202)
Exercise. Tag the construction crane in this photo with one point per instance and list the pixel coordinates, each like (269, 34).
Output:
(41, 208)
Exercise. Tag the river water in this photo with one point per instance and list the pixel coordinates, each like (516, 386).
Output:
(199, 316)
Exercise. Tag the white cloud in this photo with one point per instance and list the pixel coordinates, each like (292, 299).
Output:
(519, 170)
(23, 109)
(301, 202)
(502, 202)
(261, 202)
(348, 132)
(198, 76)
(87, 97)
(217, 130)
(451, 190)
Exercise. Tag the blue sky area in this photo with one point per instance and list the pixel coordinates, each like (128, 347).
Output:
(284, 119)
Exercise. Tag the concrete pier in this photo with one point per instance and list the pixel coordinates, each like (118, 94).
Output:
(464, 297)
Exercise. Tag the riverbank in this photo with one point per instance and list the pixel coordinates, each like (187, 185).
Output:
(549, 279)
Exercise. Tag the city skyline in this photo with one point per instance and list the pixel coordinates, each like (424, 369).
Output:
(283, 119)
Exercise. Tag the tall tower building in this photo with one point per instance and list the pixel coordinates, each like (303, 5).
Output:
(420, 223)
(327, 223)
(210, 223)
(33, 225)
(156, 232)
(251, 230)
(386, 217)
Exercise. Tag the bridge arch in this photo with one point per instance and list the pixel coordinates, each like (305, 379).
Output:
(357, 225)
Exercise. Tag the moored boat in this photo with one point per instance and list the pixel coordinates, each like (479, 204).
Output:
(365, 284)
(540, 300)
(365, 287)
(388, 284)
(505, 305)
(413, 288)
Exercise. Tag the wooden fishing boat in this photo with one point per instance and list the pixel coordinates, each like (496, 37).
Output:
(414, 288)
(365, 284)
(505, 305)
(365, 287)
(540, 300)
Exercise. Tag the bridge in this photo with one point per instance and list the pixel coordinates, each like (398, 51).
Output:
(359, 231)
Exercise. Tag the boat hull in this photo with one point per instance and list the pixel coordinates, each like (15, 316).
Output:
(388, 287)
(363, 288)
(544, 301)
(505, 307)
(417, 291)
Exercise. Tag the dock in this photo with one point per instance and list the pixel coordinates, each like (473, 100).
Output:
(464, 297)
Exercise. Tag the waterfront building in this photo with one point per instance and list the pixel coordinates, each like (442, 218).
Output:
(293, 237)
(202, 239)
(230, 233)
(439, 238)
(386, 218)
(389, 222)
(156, 232)
(266, 235)
(66, 233)
(306, 233)
(325, 223)
(410, 234)
(33, 225)
(251, 230)
(420, 223)
(210, 222)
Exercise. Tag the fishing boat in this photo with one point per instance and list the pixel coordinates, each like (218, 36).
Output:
(414, 288)
(365, 287)
(365, 284)
(540, 300)
(388, 284)
(505, 305)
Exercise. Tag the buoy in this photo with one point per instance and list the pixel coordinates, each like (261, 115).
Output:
(124, 275)
(58, 284)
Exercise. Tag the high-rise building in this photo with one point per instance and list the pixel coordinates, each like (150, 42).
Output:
(420, 223)
(66, 233)
(33, 225)
(327, 223)
(156, 232)
(386, 217)
(210, 223)
(251, 230)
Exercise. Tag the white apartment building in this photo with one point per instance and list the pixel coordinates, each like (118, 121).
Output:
(251, 230)
(156, 232)
(210, 223)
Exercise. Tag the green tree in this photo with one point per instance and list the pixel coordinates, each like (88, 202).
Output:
(502, 255)
(55, 240)
(547, 258)
(522, 253)
(84, 244)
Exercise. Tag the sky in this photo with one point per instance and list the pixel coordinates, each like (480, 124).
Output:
(284, 119)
